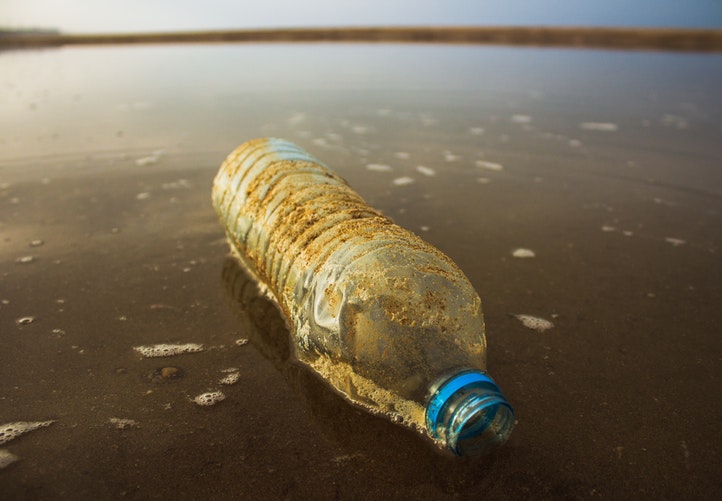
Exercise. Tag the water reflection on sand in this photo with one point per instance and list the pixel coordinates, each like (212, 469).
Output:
(578, 188)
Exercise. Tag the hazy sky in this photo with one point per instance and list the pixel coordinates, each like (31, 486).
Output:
(163, 15)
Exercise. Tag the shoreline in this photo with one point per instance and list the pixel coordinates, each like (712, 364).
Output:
(664, 39)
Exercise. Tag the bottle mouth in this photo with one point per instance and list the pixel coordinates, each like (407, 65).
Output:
(468, 413)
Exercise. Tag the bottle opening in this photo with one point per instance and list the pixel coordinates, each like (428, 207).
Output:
(468, 413)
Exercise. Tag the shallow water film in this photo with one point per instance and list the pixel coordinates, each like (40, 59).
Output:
(580, 192)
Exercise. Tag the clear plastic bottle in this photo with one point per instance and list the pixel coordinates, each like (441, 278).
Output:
(384, 317)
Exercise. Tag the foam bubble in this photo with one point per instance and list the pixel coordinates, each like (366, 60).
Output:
(426, 171)
(231, 378)
(7, 458)
(176, 185)
(241, 341)
(402, 155)
(378, 167)
(209, 398)
(675, 241)
(123, 423)
(168, 350)
(10, 431)
(403, 181)
(523, 253)
(489, 165)
(535, 323)
(521, 119)
(599, 126)
(476, 131)
(451, 157)
(151, 159)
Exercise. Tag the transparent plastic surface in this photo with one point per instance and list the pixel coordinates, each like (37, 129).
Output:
(468, 412)
(374, 309)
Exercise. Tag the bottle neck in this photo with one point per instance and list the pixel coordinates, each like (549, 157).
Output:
(468, 413)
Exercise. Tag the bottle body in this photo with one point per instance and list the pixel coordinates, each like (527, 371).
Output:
(379, 313)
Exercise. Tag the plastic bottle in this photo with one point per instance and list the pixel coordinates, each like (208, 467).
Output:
(384, 317)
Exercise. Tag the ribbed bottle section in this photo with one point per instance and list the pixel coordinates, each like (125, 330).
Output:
(286, 214)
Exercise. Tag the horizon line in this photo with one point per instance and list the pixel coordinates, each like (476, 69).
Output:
(621, 38)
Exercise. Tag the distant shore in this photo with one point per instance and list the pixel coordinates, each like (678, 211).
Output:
(606, 38)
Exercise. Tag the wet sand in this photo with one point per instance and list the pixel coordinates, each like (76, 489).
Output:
(605, 165)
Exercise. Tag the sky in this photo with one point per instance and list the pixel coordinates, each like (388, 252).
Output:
(98, 16)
